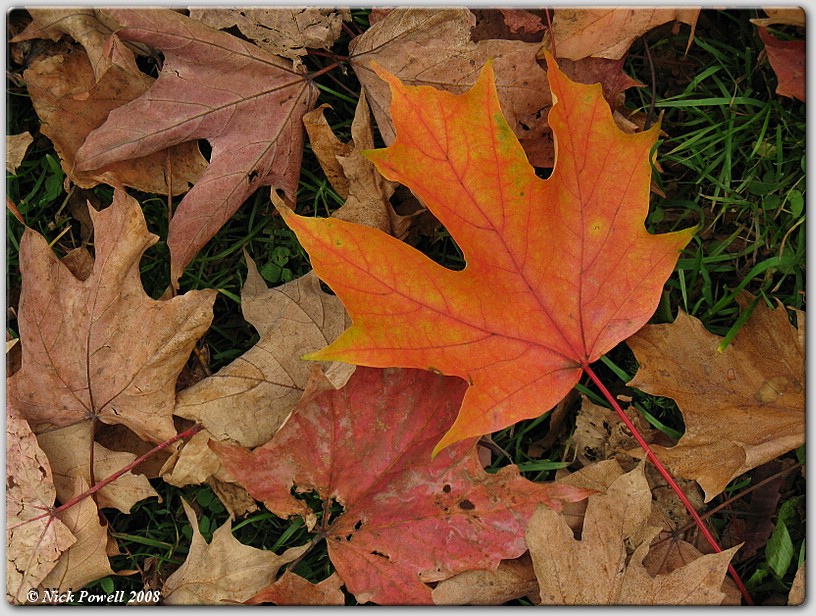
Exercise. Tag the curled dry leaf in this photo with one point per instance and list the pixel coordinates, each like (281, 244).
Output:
(742, 407)
(16, 148)
(571, 252)
(408, 519)
(291, 589)
(100, 348)
(353, 176)
(787, 60)
(609, 32)
(605, 567)
(281, 31)
(225, 571)
(435, 47)
(32, 547)
(87, 559)
(248, 400)
(245, 101)
(71, 103)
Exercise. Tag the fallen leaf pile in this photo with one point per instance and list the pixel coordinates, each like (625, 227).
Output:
(371, 398)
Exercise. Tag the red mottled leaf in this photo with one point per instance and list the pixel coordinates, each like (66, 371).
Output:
(245, 101)
(408, 520)
(558, 271)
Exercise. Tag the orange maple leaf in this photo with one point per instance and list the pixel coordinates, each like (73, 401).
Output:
(558, 271)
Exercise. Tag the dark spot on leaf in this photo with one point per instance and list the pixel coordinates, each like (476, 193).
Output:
(380, 554)
(358, 525)
(446, 489)
(466, 505)
(252, 175)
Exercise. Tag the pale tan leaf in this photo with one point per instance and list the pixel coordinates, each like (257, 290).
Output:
(511, 580)
(796, 596)
(327, 147)
(69, 449)
(605, 567)
(224, 571)
(32, 547)
(249, 399)
(16, 148)
(192, 464)
(608, 32)
(742, 407)
(86, 560)
(793, 16)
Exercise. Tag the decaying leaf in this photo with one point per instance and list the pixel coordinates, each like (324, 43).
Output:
(605, 567)
(16, 148)
(32, 547)
(225, 571)
(435, 47)
(248, 400)
(796, 596)
(742, 407)
(87, 559)
(408, 520)
(245, 101)
(609, 32)
(291, 589)
(787, 60)
(570, 253)
(281, 31)
(101, 348)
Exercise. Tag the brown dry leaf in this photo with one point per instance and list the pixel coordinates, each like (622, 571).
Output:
(32, 548)
(223, 571)
(249, 399)
(92, 28)
(16, 148)
(291, 589)
(796, 596)
(742, 407)
(605, 567)
(435, 47)
(609, 32)
(86, 560)
(352, 175)
(286, 32)
(511, 580)
(101, 349)
(521, 21)
(192, 464)
(793, 16)
(68, 450)
(71, 103)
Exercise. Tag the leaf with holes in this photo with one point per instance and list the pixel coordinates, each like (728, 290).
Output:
(408, 520)
(558, 271)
